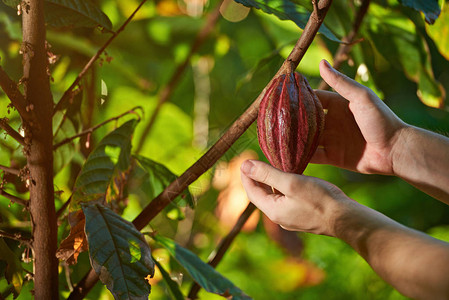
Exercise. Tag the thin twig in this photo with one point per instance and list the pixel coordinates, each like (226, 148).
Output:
(224, 245)
(15, 96)
(16, 237)
(167, 91)
(348, 41)
(63, 207)
(68, 93)
(9, 130)
(14, 199)
(219, 148)
(10, 170)
(92, 129)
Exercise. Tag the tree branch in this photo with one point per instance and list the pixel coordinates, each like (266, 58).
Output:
(92, 129)
(167, 91)
(9, 130)
(10, 170)
(348, 41)
(14, 199)
(219, 148)
(15, 96)
(16, 237)
(224, 245)
(68, 93)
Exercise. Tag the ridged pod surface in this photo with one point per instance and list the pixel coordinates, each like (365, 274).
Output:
(290, 122)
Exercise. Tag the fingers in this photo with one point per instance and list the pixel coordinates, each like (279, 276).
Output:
(264, 173)
(259, 195)
(328, 98)
(342, 84)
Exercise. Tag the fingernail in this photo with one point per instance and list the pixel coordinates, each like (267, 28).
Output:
(247, 167)
(327, 64)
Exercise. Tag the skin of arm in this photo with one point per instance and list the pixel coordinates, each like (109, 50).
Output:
(413, 263)
(362, 134)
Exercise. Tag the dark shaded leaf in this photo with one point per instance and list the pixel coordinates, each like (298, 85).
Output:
(112, 153)
(14, 268)
(159, 177)
(62, 129)
(206, 276)
(286, 10)
(71, 13)
(430, 8)
(118, 253)
(173, 287)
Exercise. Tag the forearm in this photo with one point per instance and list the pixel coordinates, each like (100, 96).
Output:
(421, 158)
(413, 263)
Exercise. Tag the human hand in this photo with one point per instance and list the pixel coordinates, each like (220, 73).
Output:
(360, 130)
(306, 203)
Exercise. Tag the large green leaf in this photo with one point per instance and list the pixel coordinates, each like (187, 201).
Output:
(286, 10)
(118, 253)
(159, 177)
(111, 155)
(71, 13)
(206, 276)
(430, 8)
(14, 268)
(173, 287)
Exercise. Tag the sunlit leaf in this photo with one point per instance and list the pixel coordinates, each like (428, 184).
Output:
(206, 276)
(430, 8)
(286, 10)
(396, 39)
(173, 287)
(440, 32)
(14, 268)
(118, 253)
(158, 177)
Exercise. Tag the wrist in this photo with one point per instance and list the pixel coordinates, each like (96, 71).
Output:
(400, 148)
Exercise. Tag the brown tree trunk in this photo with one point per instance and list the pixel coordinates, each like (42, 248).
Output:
(39, 150)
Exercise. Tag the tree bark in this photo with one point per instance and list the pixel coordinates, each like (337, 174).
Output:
(39, 150)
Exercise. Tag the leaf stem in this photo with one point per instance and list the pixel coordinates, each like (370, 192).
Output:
(15, 237)
(9, 130)
(224, 245)
(69, 92)
(15, 96)
(92, 129)
(14, 199)
(10, 170)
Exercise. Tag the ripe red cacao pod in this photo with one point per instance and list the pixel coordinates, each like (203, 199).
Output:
(290, 122)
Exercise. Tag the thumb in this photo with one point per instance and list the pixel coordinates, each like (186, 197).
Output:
(348, 88)
(264, 173)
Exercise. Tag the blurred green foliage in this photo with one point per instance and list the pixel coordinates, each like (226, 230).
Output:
(399, 56)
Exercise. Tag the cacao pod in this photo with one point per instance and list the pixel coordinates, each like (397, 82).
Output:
(290, 122)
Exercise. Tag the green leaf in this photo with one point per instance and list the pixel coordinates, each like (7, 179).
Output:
(14, 268)
(173, 287)
(75, 13)
(112, 154)
(71, 13)
(206, 276)
(64, 129)
(158, 177)
(118, 253)
(286, 10)
(430, 8)
(12, 3)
